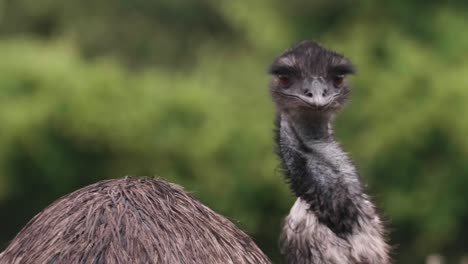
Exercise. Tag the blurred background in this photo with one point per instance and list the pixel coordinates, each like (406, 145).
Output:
(92, 90)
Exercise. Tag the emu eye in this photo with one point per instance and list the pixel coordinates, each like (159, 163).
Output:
(284, 81)
(338, 80)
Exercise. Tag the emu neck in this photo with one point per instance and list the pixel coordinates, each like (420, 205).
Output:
(319, 171)
(310, 127)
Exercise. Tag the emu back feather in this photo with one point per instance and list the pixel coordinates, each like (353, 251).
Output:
(131, 220)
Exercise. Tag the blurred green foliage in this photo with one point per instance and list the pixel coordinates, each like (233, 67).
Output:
(91, 90)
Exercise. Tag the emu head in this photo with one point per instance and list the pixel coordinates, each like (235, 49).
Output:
(308, 77)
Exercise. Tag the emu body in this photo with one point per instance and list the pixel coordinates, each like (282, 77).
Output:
(333, 220)
(131, 221)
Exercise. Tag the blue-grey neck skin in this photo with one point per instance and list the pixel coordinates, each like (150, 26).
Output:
(333, 221)
(319, 172)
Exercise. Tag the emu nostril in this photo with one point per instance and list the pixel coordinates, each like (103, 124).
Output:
(309, 94)
(325, 92)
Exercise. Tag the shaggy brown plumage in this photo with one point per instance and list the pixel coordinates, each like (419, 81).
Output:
(131, 220)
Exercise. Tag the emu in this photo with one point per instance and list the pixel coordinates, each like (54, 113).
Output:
(152, 221)
(332, 220)
(131, 220)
